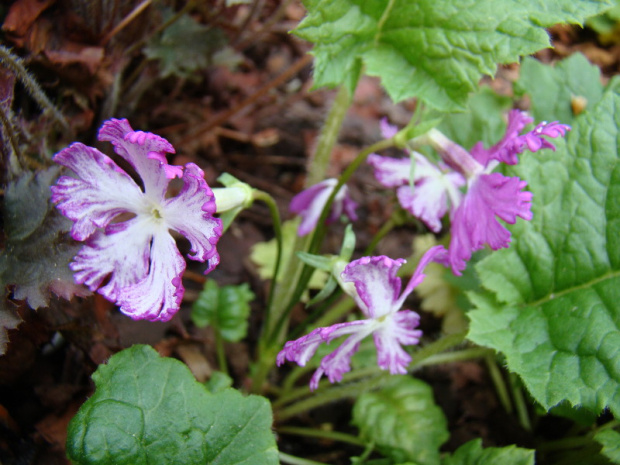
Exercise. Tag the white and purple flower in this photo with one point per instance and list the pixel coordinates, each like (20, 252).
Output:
(133, 259)
(434, 190)
(373, 284)
(490, 195)
(310, 202)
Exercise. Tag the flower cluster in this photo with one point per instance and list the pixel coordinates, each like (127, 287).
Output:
(129, 255)
(373, 284)
(489, 196)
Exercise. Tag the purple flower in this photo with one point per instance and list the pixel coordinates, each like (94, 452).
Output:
(491, 196)
(513, 143)
(130, 257)
(373, 283)
(309, 204)
(435, 188)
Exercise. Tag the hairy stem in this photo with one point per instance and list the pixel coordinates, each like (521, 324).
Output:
(15, 64)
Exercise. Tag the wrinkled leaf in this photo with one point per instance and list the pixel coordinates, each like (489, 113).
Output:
(552, 306)
(483, 121)
(150, 410)
(435, 50)
(610, 440)
(403, 421)
(472, 453)
(225, 308)
(553, 88)
(38, 252)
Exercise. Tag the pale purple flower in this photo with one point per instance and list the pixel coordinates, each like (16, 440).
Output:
(491, 196)
(130, 257)
(309, 204)
(435, 188)
(376, 289)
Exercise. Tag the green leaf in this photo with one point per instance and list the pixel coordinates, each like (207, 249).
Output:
(186, 46)
(553, 306)
(403, 421)
(34, 226)
(483, 120)
(149, 410)
(225, 308)
(435, 50)
(610, 440)
(472, 453)
(552, 88)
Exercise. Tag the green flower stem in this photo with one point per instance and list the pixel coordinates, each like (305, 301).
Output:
(283, 295)
(305, 271)
(499, 383)
(292, 460)
(277, 229)
(457, 356)
(436, 347)
(315, 433)
(266, 359)
(332, 394)
(520, 404)
(385, 229)
(220, 351)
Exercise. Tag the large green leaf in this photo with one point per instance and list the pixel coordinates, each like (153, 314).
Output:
(435, 50)
(403, 421)
(472, 453)
(149, 410)
(553, 306)
(553, 88)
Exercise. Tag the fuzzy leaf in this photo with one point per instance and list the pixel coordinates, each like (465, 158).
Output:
(553, 306)
(8, 320)
(38, 252)
(150, 410)
(185, 47)
(225, 308)
(610, 440)
(472, 453)
(403, 421)
(435, 50)
(553, 88)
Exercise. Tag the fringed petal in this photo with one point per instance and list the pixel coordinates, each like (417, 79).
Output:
(144, 151)
(120, 254)
(397, 330)
(376, 283)
(100, 192)
(191, 214)
(475, 223)
(157, 297)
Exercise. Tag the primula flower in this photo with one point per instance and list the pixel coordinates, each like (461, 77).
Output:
(491, 195)
(435, 187)
(373, 284)
(133, 259)
(309, 204)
